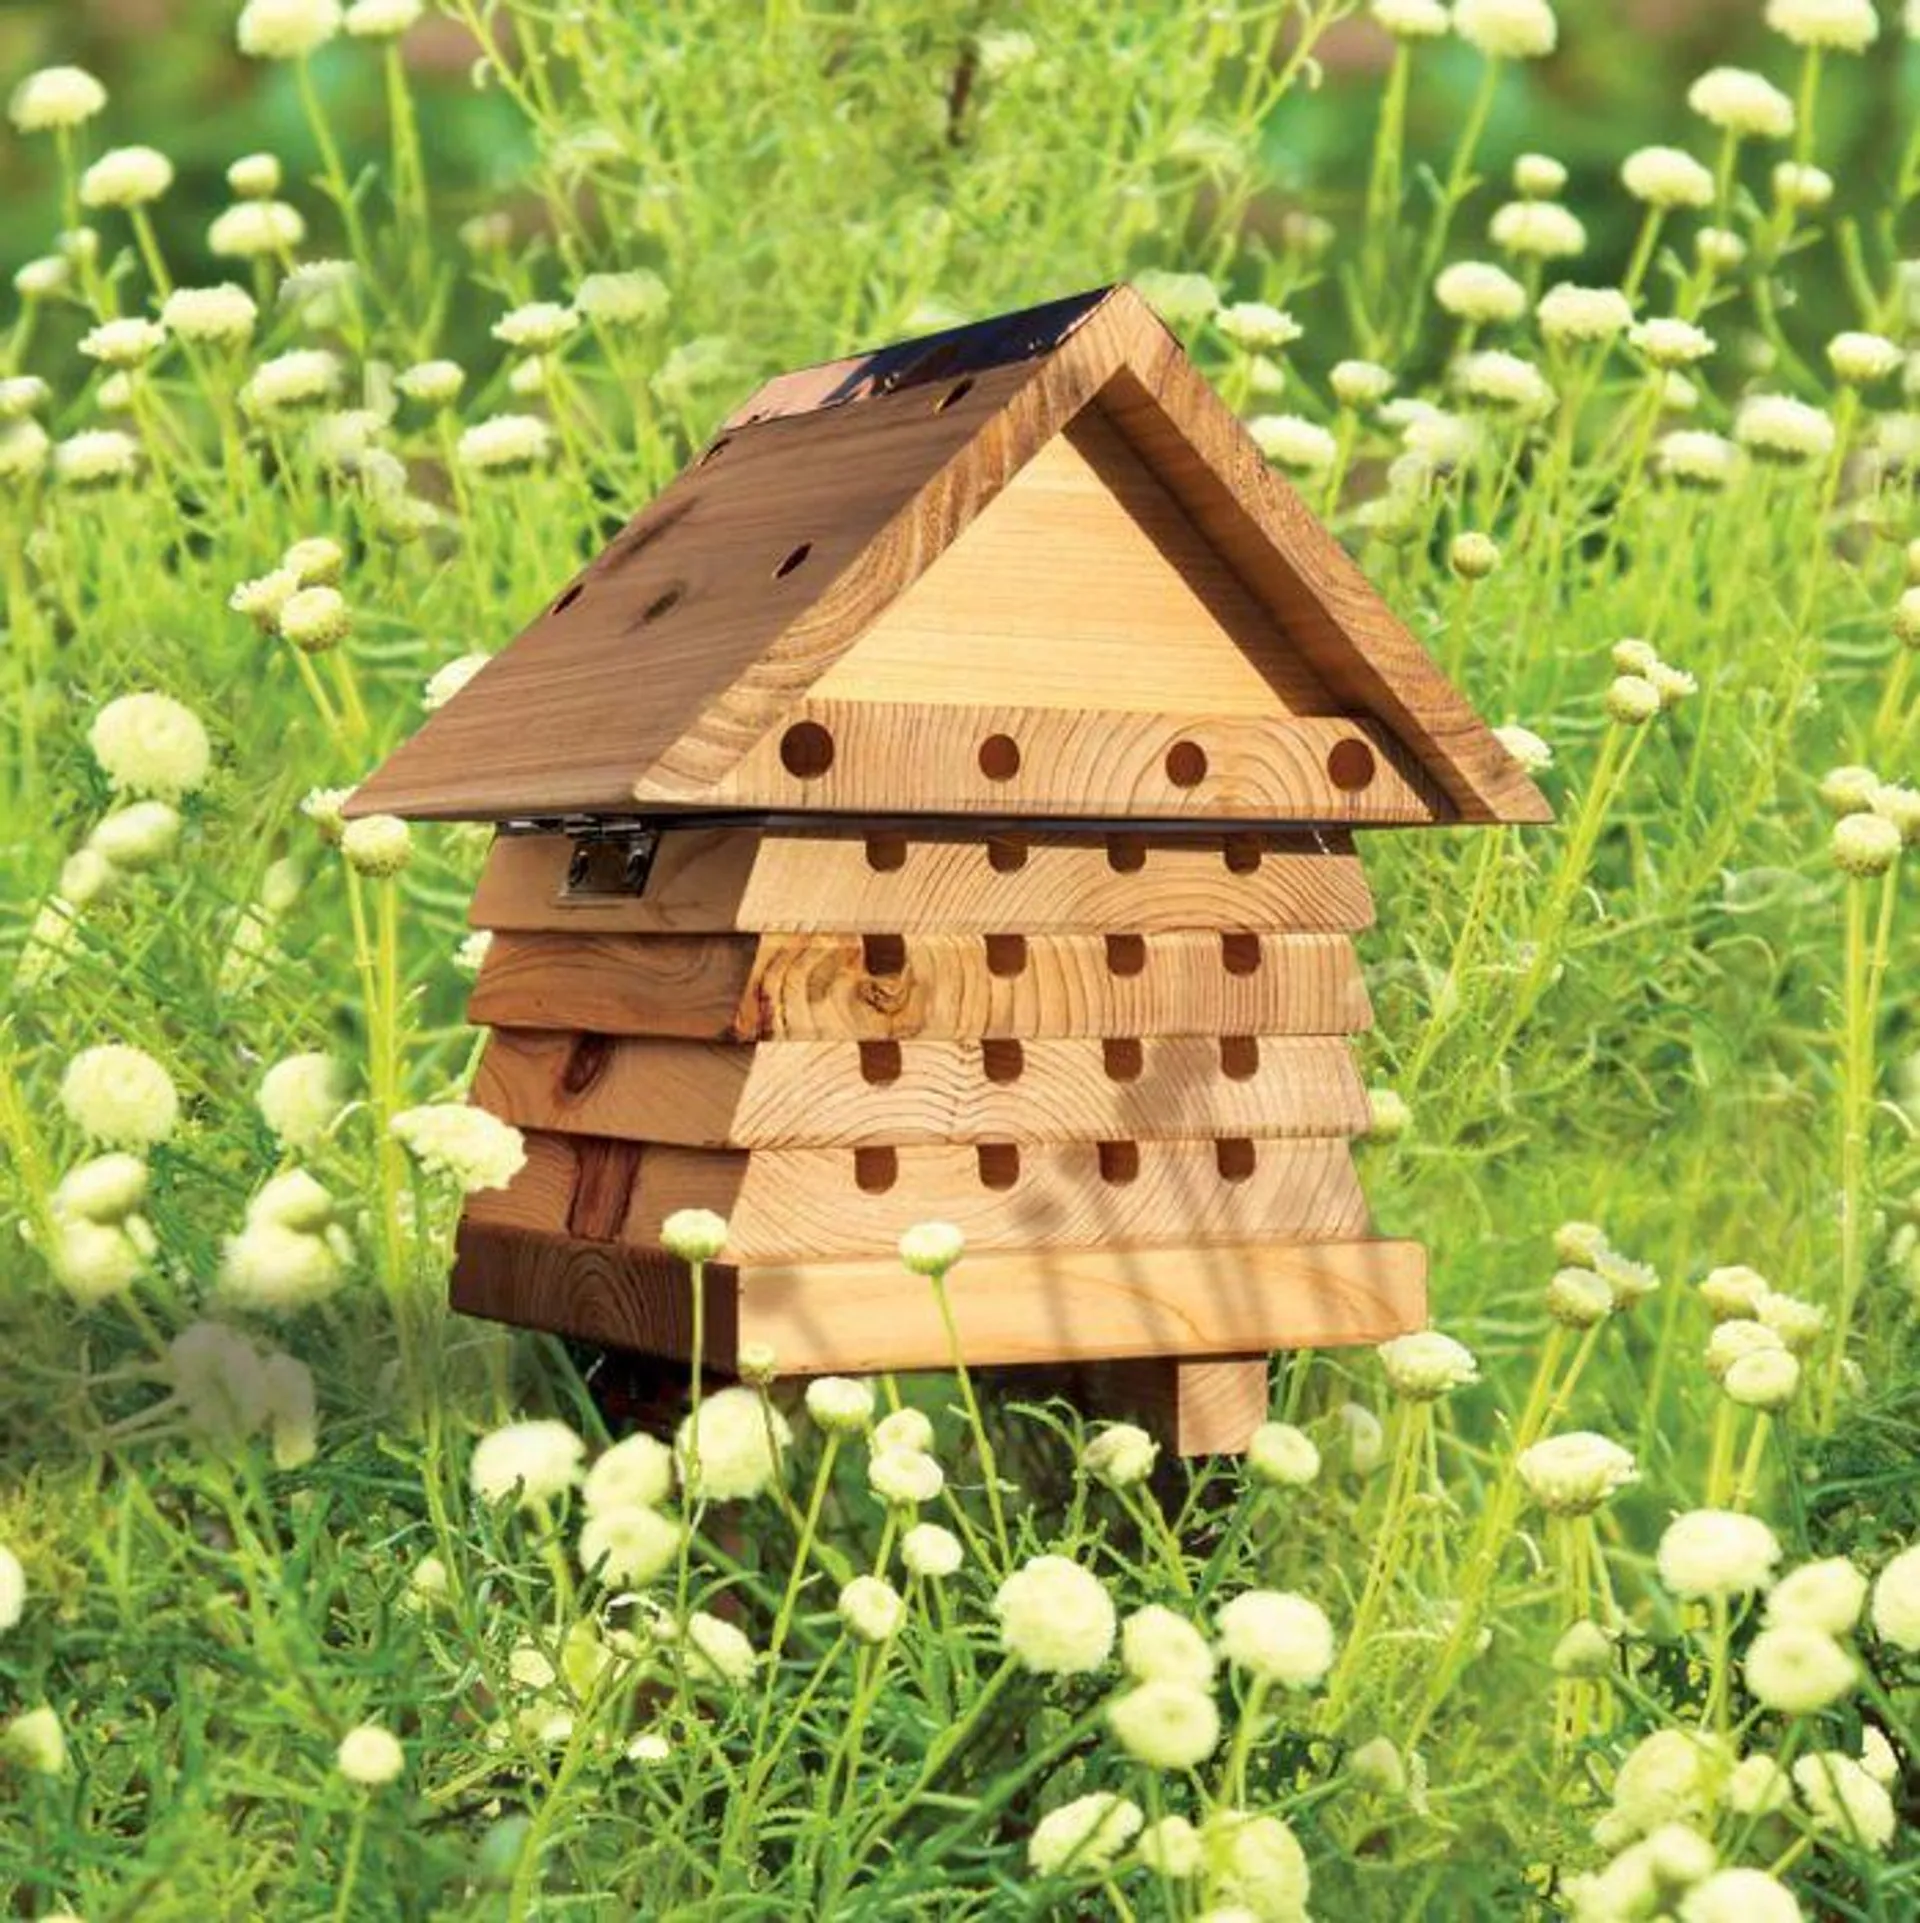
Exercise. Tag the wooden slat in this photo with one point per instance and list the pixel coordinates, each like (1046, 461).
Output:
(708, 881)
(789, 1205)
(1094, 762)
(819, 987)
(1021, 1306)
(794, 1204)
(827, 1094)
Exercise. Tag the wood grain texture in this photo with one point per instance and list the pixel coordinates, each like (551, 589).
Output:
(1095, 762)
(1082, 578)
(766, 561)
(713, 880)
(858, 1317)
(790, 1205)
(834, 1094)
(820, 988)
(1205, 1406)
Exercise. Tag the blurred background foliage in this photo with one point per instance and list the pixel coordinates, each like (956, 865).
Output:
(1618, 81)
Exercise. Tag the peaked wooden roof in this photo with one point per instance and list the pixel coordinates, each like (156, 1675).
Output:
(706, 621)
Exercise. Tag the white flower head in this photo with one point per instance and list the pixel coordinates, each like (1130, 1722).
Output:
(1411, 19)
(694, 1235)
(1256, 1863)
(1360, 383)
(119, 1095)
(446, 681)
(55, 97)
(95, 457)
(1845, 26)
(370, 1756)
(536, 328)
(1537, 230)
(1859, 358)
(1159, 1645)
(1499, 379)
(504, 442)
(841, 1404)
(635, 1473)
(1631, 700)
(1717, 1552)
(931, 1248)
(1477, 291)
(1896, 1601)
(871, 1608)
(1507, 29)
(126, 177)
(931, 1552)
(1282, 1455)
(529, 1462)
(1166, 1725)
(1671, 343)
(1055, 1617)
(255, 176)
(1570, 313)
(1865, 846)
(13, 1590)
(1427, 1364)
(1696, 458)
(254, 229)
(1121, 1455)
(432, 383)
(1801, 186)
(301, 1097)
(315, 620)
(1743, 103)
(1534, 754)
(1844, 1800)
(1667, 177)
(223, 314)
(1733, 1293)
(1257, 326)
(733, 1449)
(906, 1478)
(1796, 1669)
(1740, 1895)
(629, 299)
(1762, 1379)
(382, 19)
(376, 845)
(286, 29)
(1538, 176)
(1294, 443)
(477, 1150)
(1085, 1834)
(1573, 1474)
(628, 1544)
(1278, 1636)
(301, 378)
(139, 836)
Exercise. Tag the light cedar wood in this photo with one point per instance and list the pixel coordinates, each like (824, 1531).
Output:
(1205, 1406)
(1020, 1307)
(764, 564)
(820, 988)
(711, 880)
(792, 1204)
(835, 1094)
(1093, 762)
(788, 1205)
(1082, 583)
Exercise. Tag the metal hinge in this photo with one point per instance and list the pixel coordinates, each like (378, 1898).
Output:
(611, 861)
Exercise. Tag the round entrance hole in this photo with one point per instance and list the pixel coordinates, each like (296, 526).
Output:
(1186, 764)
(1350, 765)
(806, 751)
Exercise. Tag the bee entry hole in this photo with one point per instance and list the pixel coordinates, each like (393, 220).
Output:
(1186, 764)
(875, 1170)
(806, 751)
(1126, 854)
(1121, 1059)
(879, 1063)
(662, 603)
(884, 954)
(1006, 955)
(1126, 954)
(886, 853)
(1006, 854)
(1240, 954)
(1233, 1157)
(1004, 1061)
(569, 597)
(999, 1164)
(792, 559)
(999, 757)
(1243, 855)
(1239, 1057)
(957, 392)
(716, 450)
(1350, 765)
(1119, 1161)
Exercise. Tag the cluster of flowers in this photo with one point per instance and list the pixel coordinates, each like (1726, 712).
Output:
(1874, 819)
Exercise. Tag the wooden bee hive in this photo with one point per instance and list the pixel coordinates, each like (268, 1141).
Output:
(938, 804)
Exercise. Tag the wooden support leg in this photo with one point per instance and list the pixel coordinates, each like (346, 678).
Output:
(1203, 1408)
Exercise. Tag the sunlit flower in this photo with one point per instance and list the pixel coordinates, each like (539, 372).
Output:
(223, 314)
(1739, 1895)
(1427, 1364)
(1844, 1800)
(255, 176)
(1896, 1601)
(478, 1150)
(370, 1756)
(1500, 379)
(1477, 291)
(120, 1095)
(1742, 103)
(1668, 342)
(136, 837)
(840, 1403)
(1584, 1649)
(1579, 1298)
(1300, 446)
(1717, 1552)
(1277, 1636)
(905, 1477)
(732, 1450)
(536, 328)
(1733, 1293)
(628, 1544)
(1359, 383)
(433, 383)
(1166, 1725)
(1858, 358)
(1280, 1454)
(504, 442)
(1473, 555)
(55, 97)
(1849, 26)
(1158, 1645)
(297, 379)
(252, 229)
(382, 19)
(1798, 185)
(1537, 230)
(286, 29)
(930, 1551)
(1569, 313)
(376, 845)
(1538, 176)
(531, 1462)
(94, 457)
(1121, 1455)
(1573, 1474)
(1631, 700)
(1507, 29)
(1171, 1847)
(1666, 177)
(1697, 458)
(35, 1741)
(314, 620)
(13, 1590)
(871, 1608)
(1085, 1834)
(931, 1248)
(1181, 300)
(1411, 19)
(1055, 1617)
(1257, 1861)
(1796, 1669)
(1865, 845)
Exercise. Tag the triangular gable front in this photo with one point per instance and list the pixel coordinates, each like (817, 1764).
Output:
(797, 623)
